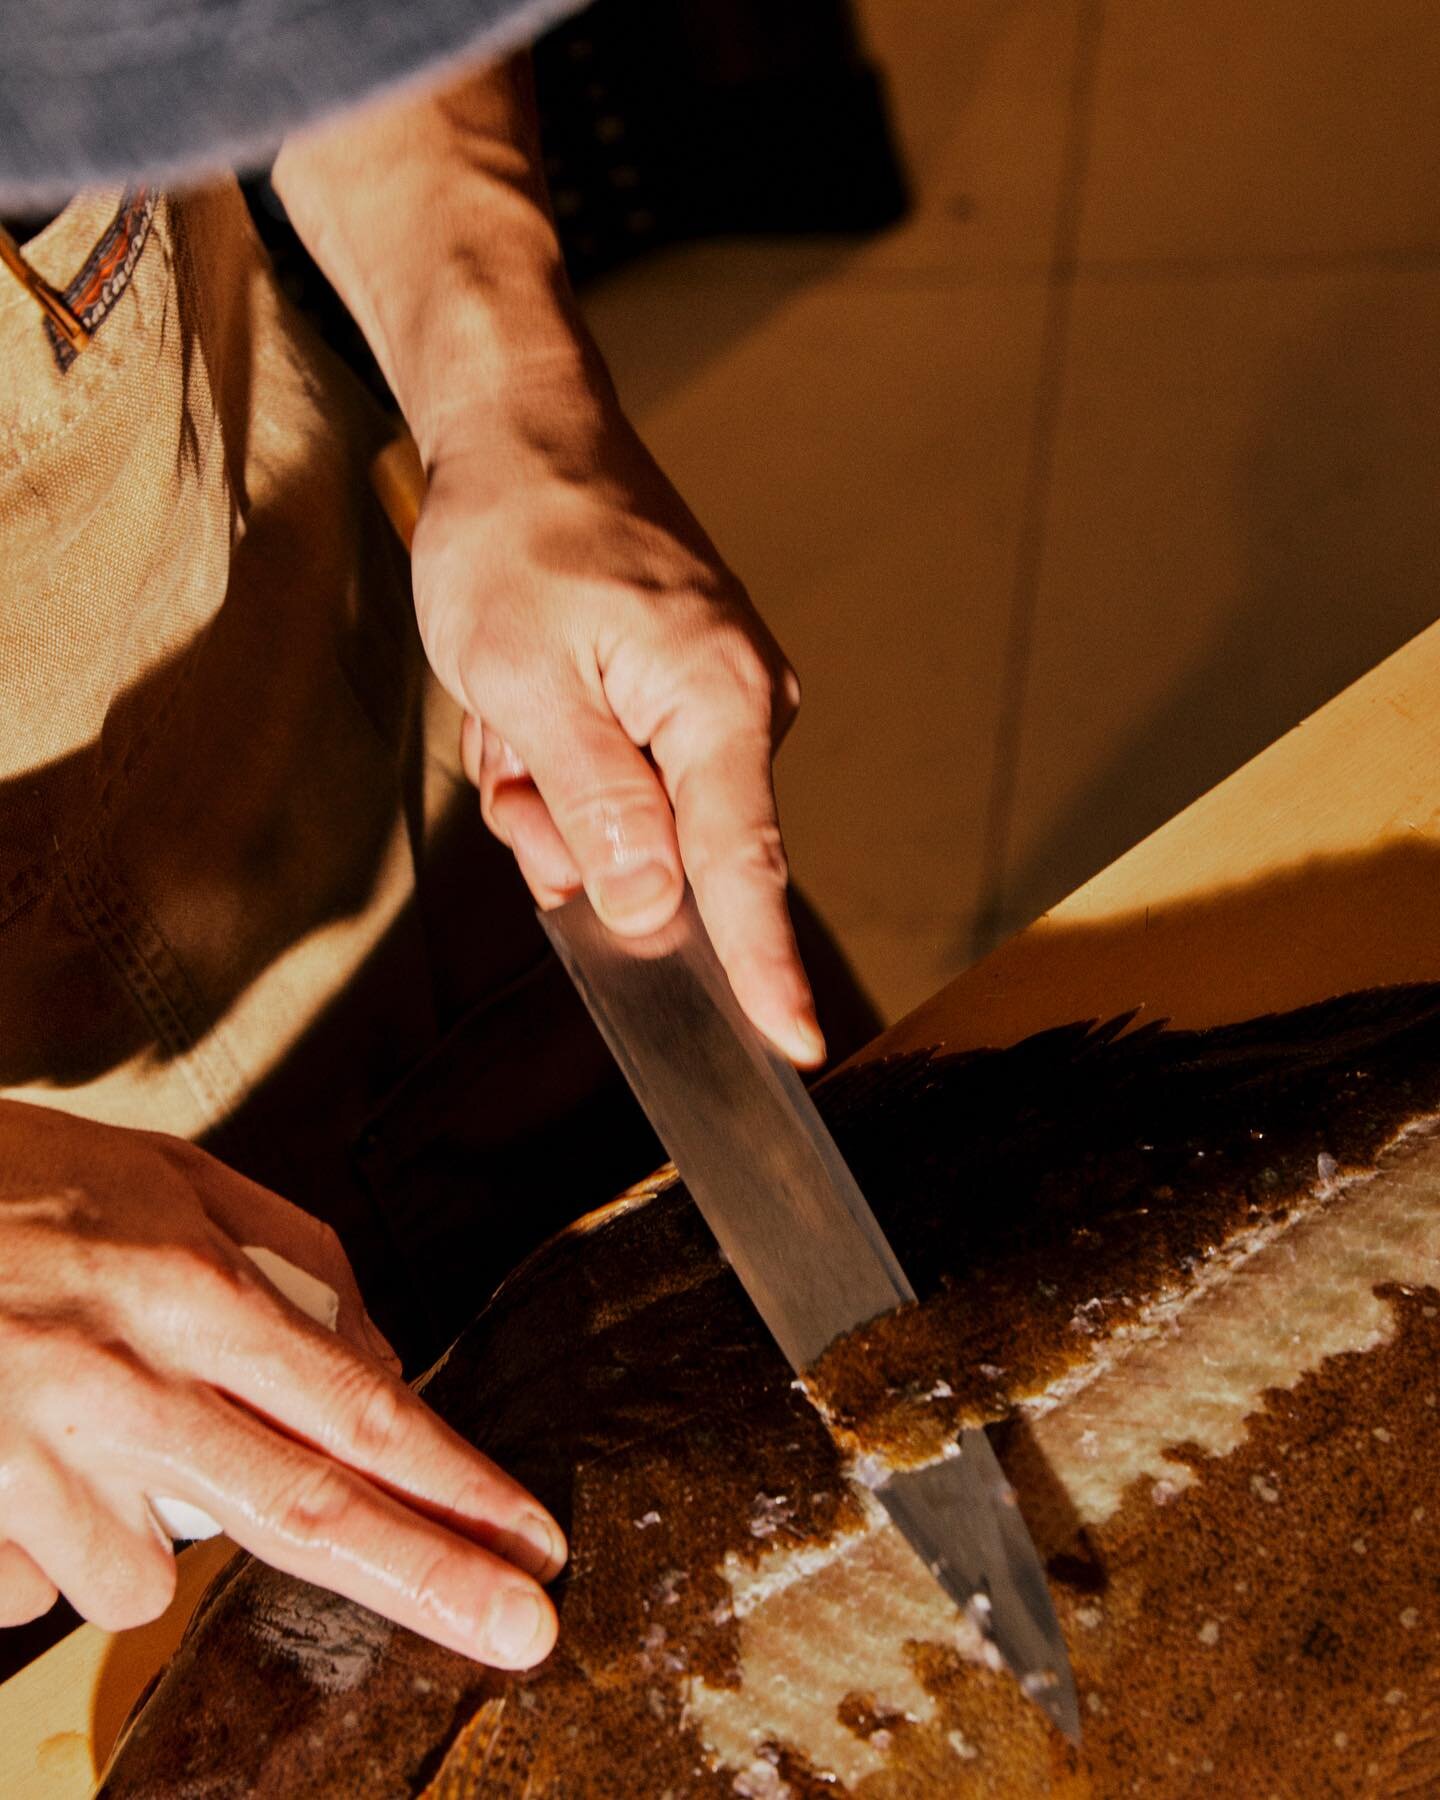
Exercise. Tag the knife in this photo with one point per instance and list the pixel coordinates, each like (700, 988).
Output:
(789, 1217)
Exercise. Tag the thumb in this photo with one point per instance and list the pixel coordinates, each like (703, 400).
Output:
(611, 810)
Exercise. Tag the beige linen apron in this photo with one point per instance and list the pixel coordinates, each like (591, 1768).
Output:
(244, 895)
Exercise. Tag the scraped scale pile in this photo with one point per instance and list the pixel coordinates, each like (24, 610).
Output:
(1192, 1275)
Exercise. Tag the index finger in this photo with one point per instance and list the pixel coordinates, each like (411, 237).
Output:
(253, 1345)
(315, 1519)
(715, 756)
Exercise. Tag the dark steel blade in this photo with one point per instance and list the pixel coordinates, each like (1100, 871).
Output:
(755, 1155)
(961, 1518)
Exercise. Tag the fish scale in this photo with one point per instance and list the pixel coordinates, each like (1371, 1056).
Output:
(1225, 1642)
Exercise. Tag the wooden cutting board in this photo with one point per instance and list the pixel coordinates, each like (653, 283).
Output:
(1313, 870)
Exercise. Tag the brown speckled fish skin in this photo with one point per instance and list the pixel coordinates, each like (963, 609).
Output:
(1217, 1639)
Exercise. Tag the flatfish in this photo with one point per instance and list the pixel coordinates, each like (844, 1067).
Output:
(1192, 1281)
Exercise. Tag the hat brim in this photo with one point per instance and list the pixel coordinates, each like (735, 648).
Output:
(92, 94)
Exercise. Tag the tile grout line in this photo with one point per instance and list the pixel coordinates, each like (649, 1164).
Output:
(1024, 594)
(1420, 259)
(1395, 259)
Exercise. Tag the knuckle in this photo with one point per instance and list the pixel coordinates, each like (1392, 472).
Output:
(764, 851)
(65, 1358)
(167, 1294)
(187, 1270)
(499, 669)
(208, 1284)
(377, 1427)
(757, 857)
(314, 1504)
(55, 1254)
(751, 672)
(733, 686)
(444, 1577)
(451, 1584)
(32, 1345)
(628, 811)
(74, 1210)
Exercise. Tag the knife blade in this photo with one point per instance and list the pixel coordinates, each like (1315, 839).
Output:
(788, 1215)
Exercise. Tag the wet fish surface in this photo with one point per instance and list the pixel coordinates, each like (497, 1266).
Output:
(1193, 1280)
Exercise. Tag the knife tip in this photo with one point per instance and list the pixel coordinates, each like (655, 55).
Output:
(1053, 1691)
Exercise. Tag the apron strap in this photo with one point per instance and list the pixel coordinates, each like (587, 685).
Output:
(51, 303)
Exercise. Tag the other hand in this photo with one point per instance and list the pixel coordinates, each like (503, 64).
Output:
(142, 1354)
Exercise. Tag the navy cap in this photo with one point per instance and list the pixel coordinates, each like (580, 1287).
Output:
(100, 91)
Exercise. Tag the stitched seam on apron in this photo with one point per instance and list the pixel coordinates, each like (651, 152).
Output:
(128, 231)
(143, 958)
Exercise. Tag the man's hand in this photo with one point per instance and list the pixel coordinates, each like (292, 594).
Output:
(576, 611)
(142, 1354)
(624, 700)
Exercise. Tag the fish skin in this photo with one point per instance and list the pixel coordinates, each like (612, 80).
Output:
(621, 1374)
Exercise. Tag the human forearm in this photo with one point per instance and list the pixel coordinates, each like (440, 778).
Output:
(429, 216)
(622, 700)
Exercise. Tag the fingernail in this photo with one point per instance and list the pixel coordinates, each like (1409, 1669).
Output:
(539, 1550)
(515, 1626)
(625, 892)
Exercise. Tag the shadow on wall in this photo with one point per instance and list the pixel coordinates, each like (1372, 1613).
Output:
(1335, 501)
(933, 82)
